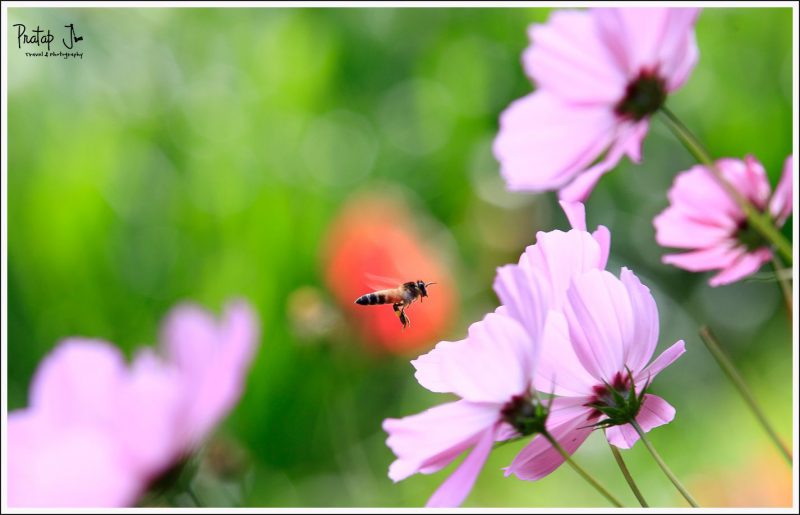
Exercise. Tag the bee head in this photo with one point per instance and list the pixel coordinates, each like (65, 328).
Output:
(423, 287)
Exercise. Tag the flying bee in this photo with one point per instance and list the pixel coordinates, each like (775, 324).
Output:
(400, 298)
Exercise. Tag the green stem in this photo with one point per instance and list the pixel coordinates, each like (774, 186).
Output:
(585, 475)
(759, 221)
(663, 465)
(730, 370)
(626, 473)
(783, 282)
(195, 499)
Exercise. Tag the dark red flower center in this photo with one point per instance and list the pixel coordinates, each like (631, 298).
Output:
(617, 400)
(603, 395)
(644, 95)
(525, 414)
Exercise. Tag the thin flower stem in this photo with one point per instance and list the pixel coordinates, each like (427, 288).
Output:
(585, 475)
(686, 495)
(759, 221)
(730, 370)
(783, 282)
(626, 473)
(193, 495)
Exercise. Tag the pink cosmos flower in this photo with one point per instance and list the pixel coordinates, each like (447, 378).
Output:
(703, 218)
(491, 371)
(604, 337)
(567, 327)
(97, 431)
(211, 359)
(600, 75)
(597, 329)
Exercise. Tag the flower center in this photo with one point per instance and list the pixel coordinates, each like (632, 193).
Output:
(616, 400)
(749, 237)
(643, 96)
(604, 393)
(525, 414)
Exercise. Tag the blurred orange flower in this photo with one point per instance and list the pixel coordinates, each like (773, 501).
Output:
(376, 235)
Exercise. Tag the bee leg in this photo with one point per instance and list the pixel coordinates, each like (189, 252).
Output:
(404, 318)
(400, 312)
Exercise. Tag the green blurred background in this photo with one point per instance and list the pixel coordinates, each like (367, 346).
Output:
(201, 153)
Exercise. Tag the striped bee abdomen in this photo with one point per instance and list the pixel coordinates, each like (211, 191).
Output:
(372, 298)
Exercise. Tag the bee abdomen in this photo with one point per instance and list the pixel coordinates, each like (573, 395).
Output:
(372, 298)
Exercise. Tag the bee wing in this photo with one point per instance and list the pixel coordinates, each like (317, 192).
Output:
(380, 282)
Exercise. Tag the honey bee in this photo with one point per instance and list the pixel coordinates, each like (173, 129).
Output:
(400, 298)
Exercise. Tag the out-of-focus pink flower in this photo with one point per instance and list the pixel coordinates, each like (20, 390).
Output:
(600, 75)
(97, 431)
(211, 359)
(702, 217)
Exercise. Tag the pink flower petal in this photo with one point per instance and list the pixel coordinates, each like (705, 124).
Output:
(492, 364)
(601, 322)
(678, 52)
(543, 143)
(242, 331)
(645, 313)
(630, 139)
(428, 441)
(664, 360)
(65, 466)
(455, 489)
(582, 185)
(569, 426)
(567, 58)
(700, 196)
(64, 390)
(603, 238)
(558, 257)
(627, 140)
(558, 370)
(543, 274)
(576, 213)
(650, 39)
(675, 227)
(750, 179)
(744, 265)
(677, 71)
(149, 410)
(519, 288)
(720, 256)
(780, 204)
(654, 412)
(213, 359)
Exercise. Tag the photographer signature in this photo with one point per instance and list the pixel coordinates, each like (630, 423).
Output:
(40, 37)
